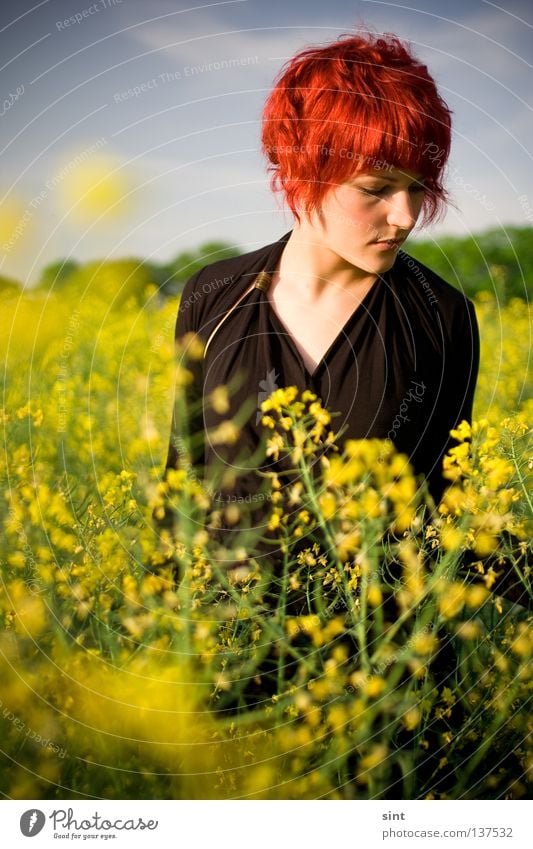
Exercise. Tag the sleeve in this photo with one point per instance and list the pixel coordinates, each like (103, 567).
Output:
(464, 370)
(455, 398)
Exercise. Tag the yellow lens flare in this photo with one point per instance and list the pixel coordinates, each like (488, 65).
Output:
(100, 186)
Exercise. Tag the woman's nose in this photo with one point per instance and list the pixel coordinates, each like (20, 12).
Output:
(403, 210)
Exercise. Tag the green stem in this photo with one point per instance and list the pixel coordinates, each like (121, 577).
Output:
(360, 629)
(520, 476)
(501, 718)
(394, 629)
(282, 615)
(310, 488)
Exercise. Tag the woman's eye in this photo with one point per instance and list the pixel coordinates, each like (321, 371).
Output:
(416, 188)
(374, 192)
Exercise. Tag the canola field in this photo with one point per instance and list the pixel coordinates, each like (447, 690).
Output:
(389, 658)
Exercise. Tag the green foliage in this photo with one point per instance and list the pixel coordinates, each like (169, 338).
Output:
(115, 281)
(57, 275)
(120, 279)
(365, 665)
(499, 261)
(9, 287)
(178, 271)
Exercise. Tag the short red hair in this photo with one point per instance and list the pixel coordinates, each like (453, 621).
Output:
(358, 103)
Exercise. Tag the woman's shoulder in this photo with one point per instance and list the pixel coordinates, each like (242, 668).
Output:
(430, 290)
(215, 287)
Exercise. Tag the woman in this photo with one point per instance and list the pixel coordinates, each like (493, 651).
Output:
(357, 138)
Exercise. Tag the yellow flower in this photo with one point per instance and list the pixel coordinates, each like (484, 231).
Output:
(411, 718)
(183, 376)
(485, 543)
(274, 446)
(515, 425)
(348, 544)
(371, 504)
(193, 345)
(377, 755)
(476, 595)
(522, 644)
(295, 493)
(175, 479)
(453, 502)
(328, 505)
(279, 398)
(452, 599)
(374, 595)
(321, 415)
(232, 515)
(496, 471)
(292, 627)
(30, 610)
(462, 432)
(275, 519)
(404, 519)
(219, 399)
(337, 717)
(374, 686)
(227, 433)
(451, 537)
(468, 630)
(424, 643)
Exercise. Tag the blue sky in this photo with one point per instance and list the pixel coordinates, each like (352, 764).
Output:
(188, 143)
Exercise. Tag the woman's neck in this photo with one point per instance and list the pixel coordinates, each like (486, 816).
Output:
(314, 270)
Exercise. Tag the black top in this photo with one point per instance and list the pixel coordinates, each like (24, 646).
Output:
(404, 366)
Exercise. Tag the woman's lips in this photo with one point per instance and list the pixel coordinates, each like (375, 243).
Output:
(388, 246)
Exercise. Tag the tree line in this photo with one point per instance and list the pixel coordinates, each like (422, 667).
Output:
(497, 260)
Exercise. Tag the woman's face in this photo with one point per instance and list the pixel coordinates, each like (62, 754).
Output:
(359, 216)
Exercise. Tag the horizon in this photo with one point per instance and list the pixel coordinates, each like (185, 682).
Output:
(135, 130)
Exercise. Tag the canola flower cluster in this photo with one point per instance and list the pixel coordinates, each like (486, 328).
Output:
(384, 651)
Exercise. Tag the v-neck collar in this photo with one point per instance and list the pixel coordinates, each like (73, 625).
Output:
(268, 269)
(361, 307)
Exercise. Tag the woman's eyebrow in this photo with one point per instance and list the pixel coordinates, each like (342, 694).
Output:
(389, 178)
